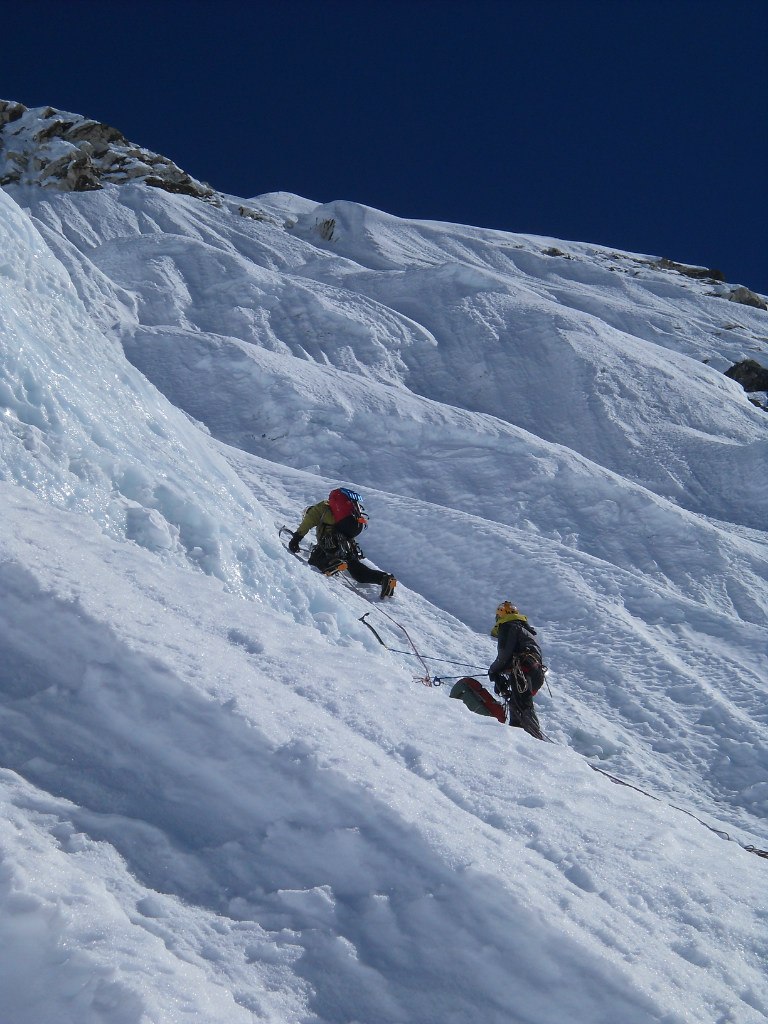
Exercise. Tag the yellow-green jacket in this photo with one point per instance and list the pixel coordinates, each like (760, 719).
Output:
(317, 517)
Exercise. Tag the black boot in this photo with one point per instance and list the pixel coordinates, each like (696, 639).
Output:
(388, 585)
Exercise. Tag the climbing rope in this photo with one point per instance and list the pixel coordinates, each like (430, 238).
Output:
(435, 681)
(426, 679)
(521, 685)
(718, 832)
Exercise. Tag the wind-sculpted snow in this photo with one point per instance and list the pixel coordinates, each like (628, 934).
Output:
(221, 833)
(475, 319)
(515, 343)
(222, 798)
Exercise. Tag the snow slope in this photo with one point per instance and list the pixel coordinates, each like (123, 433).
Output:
(222, 798)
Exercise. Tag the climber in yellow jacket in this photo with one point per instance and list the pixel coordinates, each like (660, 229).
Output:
(337, 521)
(517, 672)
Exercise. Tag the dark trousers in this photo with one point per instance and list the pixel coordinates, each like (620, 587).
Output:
(522, 713)
(323, 557)
(520, 705)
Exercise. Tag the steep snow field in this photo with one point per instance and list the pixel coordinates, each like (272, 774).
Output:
(223, 799)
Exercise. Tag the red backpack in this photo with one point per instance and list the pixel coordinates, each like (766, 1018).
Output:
(344, 503)
(478, 699)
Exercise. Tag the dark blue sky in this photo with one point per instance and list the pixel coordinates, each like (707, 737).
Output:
(640, 124)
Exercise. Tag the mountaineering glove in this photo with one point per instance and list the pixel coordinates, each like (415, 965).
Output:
(500, 683)
(294, 544)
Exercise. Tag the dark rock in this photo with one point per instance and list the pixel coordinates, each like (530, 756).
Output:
(697, 273)
(10, 111)
(185, 186)
(750, 374)
(747, 298)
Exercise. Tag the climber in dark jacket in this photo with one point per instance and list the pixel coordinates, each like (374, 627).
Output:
(337, 520)
(517, 670)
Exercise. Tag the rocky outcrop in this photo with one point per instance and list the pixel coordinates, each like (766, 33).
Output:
(58, 150)
(750, 374)
(697, 273)
(747, 298)
(738, 294)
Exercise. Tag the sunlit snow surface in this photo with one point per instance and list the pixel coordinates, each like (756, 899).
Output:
(222, 799)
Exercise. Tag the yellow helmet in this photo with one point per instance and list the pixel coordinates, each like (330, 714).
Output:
(506, 608)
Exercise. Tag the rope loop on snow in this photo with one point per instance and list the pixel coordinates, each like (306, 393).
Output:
(415, 653)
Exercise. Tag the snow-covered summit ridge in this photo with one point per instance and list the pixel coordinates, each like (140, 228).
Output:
(61, 150)
(339, 221)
